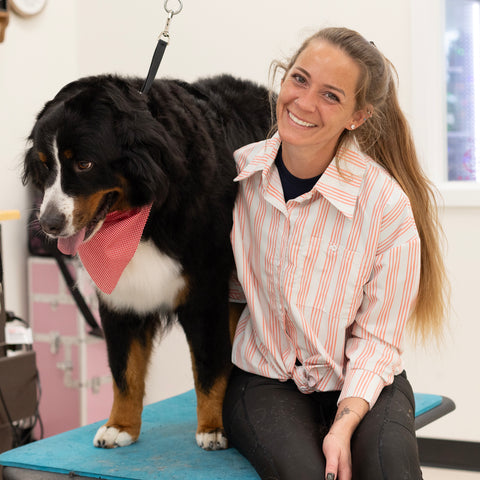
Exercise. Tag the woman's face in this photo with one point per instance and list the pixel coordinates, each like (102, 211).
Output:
(317, 98)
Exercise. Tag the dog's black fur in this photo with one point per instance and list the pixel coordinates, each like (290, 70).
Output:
(173, 148)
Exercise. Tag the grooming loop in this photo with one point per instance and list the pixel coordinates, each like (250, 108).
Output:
(171, 12)
(162, 43)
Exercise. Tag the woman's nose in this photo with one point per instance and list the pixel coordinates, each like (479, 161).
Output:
(306, 102)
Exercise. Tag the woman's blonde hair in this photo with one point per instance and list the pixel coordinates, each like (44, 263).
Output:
(387, 139)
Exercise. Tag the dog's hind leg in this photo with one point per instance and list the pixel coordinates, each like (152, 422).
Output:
(129, 348)
(210, 434)
(210, 350)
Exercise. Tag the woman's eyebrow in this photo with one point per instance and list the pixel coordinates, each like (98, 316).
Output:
(331, 87)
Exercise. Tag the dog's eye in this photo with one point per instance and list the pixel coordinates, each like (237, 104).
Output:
(83, 165)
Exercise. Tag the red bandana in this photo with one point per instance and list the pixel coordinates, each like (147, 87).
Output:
(109, 251)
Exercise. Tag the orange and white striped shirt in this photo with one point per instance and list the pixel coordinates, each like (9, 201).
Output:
(329, 277)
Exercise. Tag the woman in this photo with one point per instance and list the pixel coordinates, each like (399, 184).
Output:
(335, 239)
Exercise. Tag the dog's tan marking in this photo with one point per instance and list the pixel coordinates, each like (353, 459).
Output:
(209, 406)
(121, 203)
(210, 433)
(87, 206)
(127, 405)
(182, 294)
(42, 157)
(68, 154)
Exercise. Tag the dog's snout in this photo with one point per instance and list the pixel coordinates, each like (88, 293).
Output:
(52, 221)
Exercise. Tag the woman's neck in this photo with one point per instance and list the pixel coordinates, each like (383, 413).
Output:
(306, 162)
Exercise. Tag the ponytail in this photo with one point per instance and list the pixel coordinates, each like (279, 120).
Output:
(394, 149)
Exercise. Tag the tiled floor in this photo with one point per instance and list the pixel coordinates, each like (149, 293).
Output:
(445, 474)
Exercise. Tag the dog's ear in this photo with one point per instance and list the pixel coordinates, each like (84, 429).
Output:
(32, 168)
(34, 165)
(151, 160)
(145, 181)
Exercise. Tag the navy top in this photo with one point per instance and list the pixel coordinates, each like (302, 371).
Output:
(293, 186)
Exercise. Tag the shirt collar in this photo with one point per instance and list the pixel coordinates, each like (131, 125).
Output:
(262, 158)
(340, 183)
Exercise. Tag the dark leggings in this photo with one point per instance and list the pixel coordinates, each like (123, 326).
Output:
(280, 430)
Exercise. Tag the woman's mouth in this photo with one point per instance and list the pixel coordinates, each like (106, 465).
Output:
(298, 121)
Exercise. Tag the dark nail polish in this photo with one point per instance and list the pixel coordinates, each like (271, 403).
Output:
(330, 476)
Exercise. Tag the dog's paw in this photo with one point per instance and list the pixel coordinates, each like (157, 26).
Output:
(215, 440)
(111, 437)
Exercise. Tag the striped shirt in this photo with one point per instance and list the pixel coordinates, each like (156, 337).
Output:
(329, 277)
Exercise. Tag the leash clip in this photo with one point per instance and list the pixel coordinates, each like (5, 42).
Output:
(162, 43)
(171, 13)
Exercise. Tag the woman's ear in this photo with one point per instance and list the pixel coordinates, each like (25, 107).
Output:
(360, 117)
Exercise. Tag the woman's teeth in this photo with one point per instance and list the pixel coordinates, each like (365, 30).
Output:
(300, 122)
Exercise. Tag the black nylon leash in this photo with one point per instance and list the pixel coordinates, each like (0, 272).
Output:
(156, 59)
(162, 43)
(76, 294)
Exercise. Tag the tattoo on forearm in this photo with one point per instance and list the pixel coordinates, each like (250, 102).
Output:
(344, 412)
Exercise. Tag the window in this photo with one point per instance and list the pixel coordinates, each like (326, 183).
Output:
(462, 50)
(446, 151)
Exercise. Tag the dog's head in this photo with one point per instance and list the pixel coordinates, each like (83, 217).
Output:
(96, 148)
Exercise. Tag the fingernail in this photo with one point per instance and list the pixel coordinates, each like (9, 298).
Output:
(330, 476)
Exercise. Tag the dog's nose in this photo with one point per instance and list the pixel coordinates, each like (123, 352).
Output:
(52, 221)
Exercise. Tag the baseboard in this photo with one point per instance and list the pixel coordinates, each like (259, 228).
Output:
(454, 454)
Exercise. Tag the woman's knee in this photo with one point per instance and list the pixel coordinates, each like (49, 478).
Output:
(276, 427)
(384, 445)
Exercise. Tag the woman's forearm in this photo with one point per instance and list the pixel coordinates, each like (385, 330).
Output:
(336, 445)
(350, 413)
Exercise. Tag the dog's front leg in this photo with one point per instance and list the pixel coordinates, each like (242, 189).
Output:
(129, 347)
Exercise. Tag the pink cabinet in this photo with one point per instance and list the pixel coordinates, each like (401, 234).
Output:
(75, 378)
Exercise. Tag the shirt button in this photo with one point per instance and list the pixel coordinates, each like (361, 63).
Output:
(333, 248)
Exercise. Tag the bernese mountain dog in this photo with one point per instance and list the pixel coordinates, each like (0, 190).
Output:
(159, 166)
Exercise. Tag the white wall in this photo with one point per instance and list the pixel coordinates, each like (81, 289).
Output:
(71, 39)
(37, 57)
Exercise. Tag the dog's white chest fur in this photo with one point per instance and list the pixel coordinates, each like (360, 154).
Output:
(151, 280)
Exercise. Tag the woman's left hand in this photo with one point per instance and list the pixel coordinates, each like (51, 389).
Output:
(336, 445)
(336, 449)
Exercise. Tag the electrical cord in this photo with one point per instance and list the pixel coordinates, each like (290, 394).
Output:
(9, 419)
(11, 317)
(22, 435)
(22, 430)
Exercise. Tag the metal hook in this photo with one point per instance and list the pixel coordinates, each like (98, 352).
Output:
(171, 11)
(167, 27)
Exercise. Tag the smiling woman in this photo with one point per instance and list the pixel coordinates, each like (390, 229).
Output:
(335, 238)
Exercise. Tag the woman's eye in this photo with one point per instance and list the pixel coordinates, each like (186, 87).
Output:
(83, 165)
(332, 97)
(299, 78)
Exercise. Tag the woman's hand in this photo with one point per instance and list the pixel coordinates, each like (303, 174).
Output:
(336, 445)
(337, 452)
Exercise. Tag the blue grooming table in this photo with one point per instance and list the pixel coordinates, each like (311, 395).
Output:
(166, 449)
(430, 407)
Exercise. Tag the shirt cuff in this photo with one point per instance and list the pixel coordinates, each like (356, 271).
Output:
(362, 384)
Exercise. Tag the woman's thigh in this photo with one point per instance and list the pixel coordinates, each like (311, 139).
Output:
(281, 431)
(276, 427)
(384, 445)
